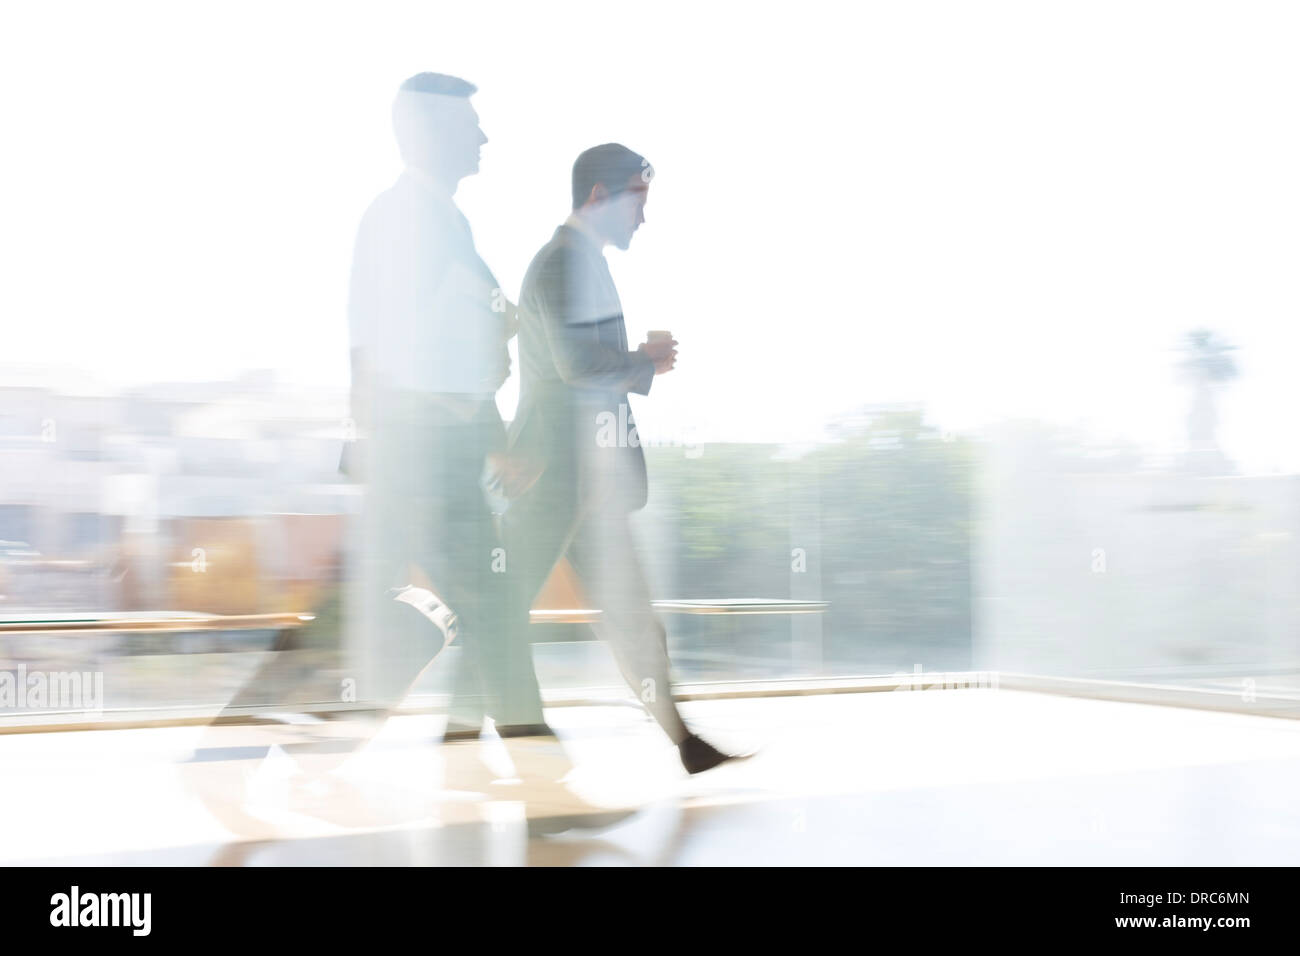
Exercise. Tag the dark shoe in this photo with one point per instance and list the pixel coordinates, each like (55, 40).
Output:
(698, 755)
(505, 731)
(458, 733)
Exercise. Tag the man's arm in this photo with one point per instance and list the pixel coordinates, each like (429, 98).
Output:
(472, 318)
(580, 356)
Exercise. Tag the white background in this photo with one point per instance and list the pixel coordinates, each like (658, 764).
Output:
(996, 209)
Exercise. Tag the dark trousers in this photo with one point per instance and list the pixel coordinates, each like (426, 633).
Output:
(574, 516)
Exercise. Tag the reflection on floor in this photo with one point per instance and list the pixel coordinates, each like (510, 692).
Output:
(939, 777)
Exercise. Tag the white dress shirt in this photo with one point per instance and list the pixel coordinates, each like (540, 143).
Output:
(424, 309)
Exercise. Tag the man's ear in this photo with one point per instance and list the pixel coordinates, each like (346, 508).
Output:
(598, 194)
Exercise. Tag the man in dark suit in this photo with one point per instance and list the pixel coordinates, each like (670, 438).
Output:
(573, 421)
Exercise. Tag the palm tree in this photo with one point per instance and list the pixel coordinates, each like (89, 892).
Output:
(1207, 366)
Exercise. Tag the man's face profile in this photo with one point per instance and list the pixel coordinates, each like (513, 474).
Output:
(462, 137)
(625, 211)
(442, 135)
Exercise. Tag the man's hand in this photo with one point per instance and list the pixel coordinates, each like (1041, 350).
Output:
(511, 474)
(663, 352)
(512, 318)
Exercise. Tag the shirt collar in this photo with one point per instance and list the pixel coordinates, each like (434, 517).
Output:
(580, 225)
(430, 183)
(433, 188)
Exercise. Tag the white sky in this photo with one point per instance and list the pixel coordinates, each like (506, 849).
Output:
(997, 209)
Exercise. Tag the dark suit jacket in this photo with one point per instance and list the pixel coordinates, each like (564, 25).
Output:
(576, 372)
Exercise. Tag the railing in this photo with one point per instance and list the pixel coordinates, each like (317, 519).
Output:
(723, 606)
(182, 622)
(169, 621)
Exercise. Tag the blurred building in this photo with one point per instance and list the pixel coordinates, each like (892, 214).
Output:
(211, 496)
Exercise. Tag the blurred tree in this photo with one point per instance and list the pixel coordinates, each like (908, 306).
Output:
(1207, 366)
(889, 504)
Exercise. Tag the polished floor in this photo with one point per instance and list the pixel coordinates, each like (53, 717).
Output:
(957, 777)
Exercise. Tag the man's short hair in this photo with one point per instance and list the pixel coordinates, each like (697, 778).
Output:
(611, 165)
(439, 83)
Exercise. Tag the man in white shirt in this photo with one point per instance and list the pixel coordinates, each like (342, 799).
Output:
(429, 328)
